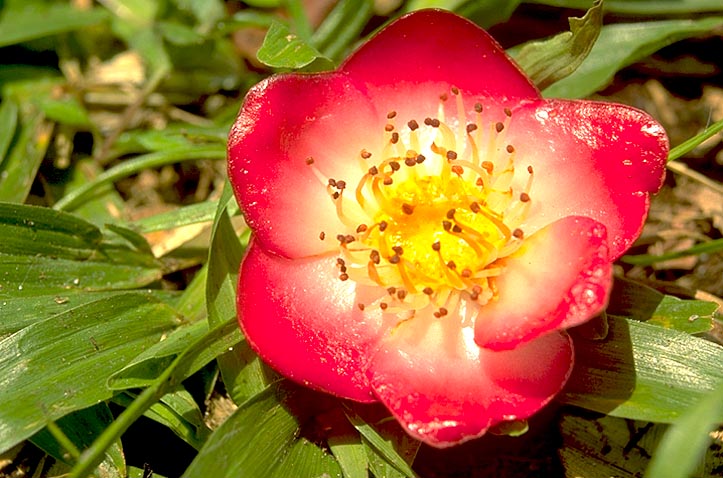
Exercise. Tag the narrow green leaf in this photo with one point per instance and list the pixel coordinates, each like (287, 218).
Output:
(643, 372)
(39, 19)
(342, 26)
(241, 369)
(551, 60)
(283, 49)
(622, 44)
(684, 444)
(351, 454)
(183, 216)
(55, 367)
(9, 120)
(689, 145)
(82, 427)
(643, 7)
(261, 438)
(710, 247)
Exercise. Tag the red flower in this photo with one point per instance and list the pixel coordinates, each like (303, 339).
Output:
(426, 226)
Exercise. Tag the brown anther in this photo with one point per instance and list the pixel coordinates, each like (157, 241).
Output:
(508, 112)
(413, 124)
(466, 273)
(450, 213)
(373, 171)
(420, 159)
(360, 305)
(428, 121)
(394, 165)
(322, 235)
(510, 149)
(395, 138)
(443, 97)
(454, 90)
(488, 166)
(391, 114)
(499, 127)
(335, 195)
(398, 250)
(530, 170)
(435, 123)
(342, 269)
(451, 265)
(309, 161)
(341, 238)
(391, 290)
(518, 233)
(343, 276)
(456, 229)
(340, 261)
(428, 290)
(374, 256)
(475, 207)
(365, 154)
(457, 169)
(361, 228)
(383, 225)
(474, 295)
(478, 107)
(437, 314)
(387, 181)
(341, 184)
(407, 209)
(410, 162)
(332, 182)
(451, 154)
(446, 225)
(349, 238)
(471, 127)
(479, 182)
(388, 127)
(524, 197)
(383, 305)
(401, 294)
(442, 311)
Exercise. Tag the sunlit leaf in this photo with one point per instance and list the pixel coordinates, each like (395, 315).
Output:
(40, 19)
(284, 49)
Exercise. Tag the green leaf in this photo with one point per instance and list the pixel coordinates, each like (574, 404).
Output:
(82, 427)
(643, 372)
(39, 19)
(262, 438)
(283, 49)
(9, 120)
(485, 13)
(351, 454)
(548, 61)
(241, 369)
(643, 7)
(684, 444)
(635, 301)
(342, 26)
(622, 44)
(55, 367)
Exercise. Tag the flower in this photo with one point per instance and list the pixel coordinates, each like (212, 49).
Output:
(426, 226)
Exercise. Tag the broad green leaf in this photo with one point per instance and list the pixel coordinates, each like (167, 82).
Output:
(241, 369)
(38, 19)
(183, 216)
(684, 444)
(262, 438)
(82, 427)
(643, 372)
(283, 49)
(8, 120)
(548, 61)
(636, 301)
(620, 45)
(54, 367)
(643, 7)
(351, 454)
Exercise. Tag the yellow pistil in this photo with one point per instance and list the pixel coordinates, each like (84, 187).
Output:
(439, 213)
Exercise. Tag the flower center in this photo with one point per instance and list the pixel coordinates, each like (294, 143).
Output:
(436, 214)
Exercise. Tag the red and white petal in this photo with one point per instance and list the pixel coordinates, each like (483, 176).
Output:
(434, 46)
(444, 389)
(284, 121)
(592, 159)
(559, 278)
(304, 322)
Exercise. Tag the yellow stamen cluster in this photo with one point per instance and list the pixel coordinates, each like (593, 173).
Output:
(435, 215)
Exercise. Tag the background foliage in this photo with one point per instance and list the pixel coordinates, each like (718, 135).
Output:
(121, 242)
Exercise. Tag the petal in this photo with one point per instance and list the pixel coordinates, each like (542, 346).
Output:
(303, 321)
(438, 47)
(559, 278)
(283, 121)
(590, 159)
(444, 389)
